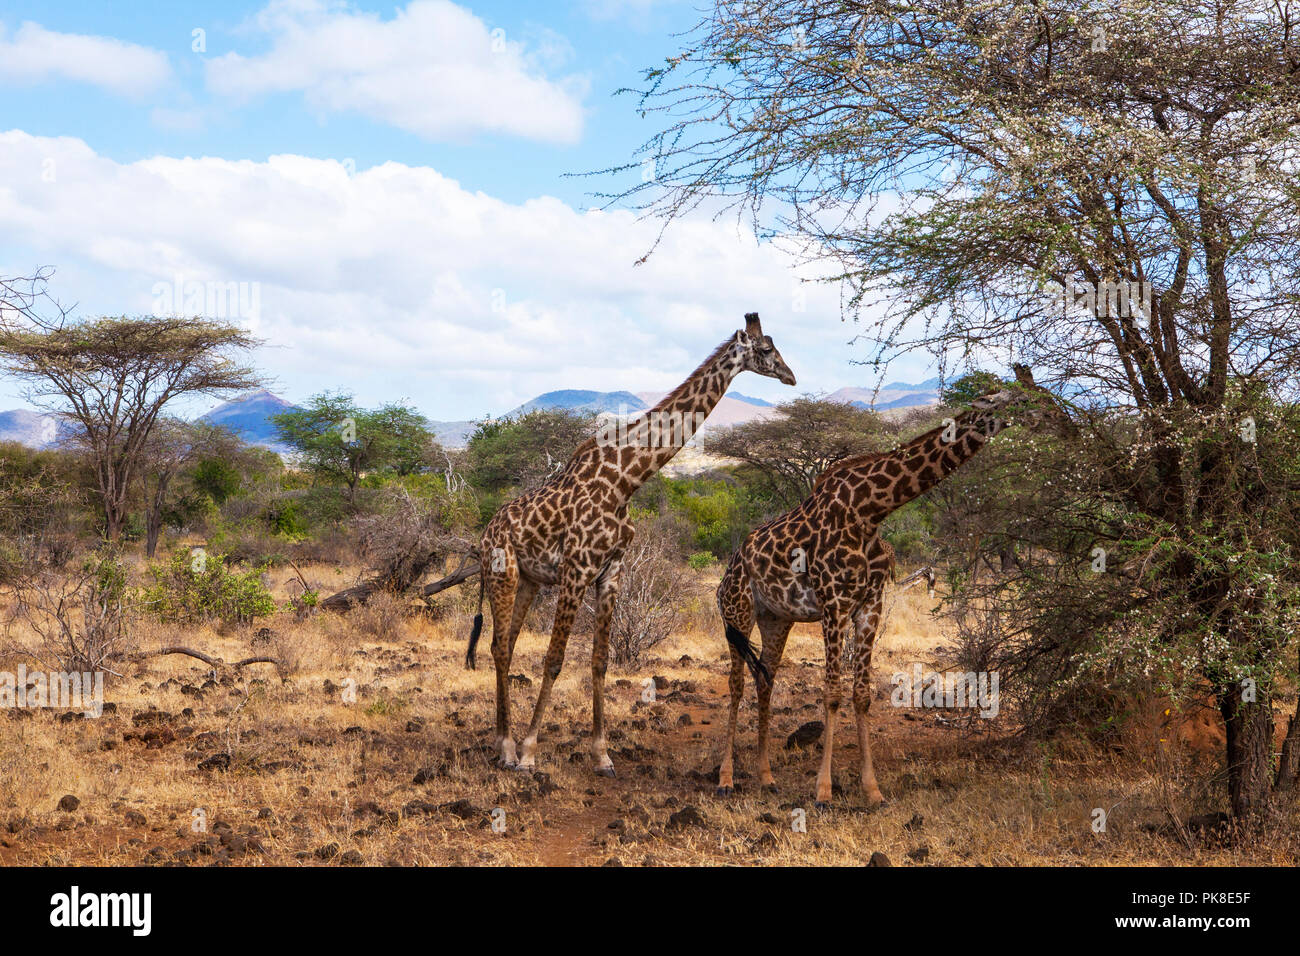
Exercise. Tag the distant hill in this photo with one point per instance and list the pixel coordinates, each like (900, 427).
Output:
(892, 395)
(581, 400)
(729, 411)
(748, 400)
(452, 434)
(249, 417)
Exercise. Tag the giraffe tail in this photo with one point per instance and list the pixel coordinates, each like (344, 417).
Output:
(741, 643)
(477, 629)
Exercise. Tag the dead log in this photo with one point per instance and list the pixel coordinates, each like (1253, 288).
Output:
(404, 576)
(348, 598)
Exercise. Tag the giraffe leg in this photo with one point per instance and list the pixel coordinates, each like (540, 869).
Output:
(502, 655)
(503, 585)
(606, 596)
(736, 685)
(736, 607)
(866, 625)
(774, 632)
(566, 608)
(835, 627)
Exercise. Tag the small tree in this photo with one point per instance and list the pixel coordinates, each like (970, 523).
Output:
(524, 452)
(79, 620)
(173, 446)
(340, 442)
(651, 593)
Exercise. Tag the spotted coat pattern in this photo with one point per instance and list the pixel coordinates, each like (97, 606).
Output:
(572, 532)
(823, 561)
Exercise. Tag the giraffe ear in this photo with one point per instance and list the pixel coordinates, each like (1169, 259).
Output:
(751, 325)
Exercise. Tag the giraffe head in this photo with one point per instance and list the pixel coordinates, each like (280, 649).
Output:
(992, 412)
(758, 354)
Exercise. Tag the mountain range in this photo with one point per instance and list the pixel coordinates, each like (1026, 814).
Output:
(249, 415)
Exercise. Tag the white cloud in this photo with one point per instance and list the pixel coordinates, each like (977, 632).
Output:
(34, 54)
(435, 69)
(397, 282)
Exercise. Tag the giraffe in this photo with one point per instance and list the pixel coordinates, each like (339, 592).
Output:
(572, 532)
(823, 561)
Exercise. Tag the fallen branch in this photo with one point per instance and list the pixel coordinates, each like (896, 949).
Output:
(357, 595)
(213, 662)
(469, 566)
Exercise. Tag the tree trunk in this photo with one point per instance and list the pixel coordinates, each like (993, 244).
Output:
(1288, 767)
(114, 521)
(1250, 750)
(153, 529)
(153, 519)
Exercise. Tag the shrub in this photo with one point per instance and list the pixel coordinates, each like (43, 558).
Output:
(196, 586)
(701, 560)
(80, 620)
(653, 588)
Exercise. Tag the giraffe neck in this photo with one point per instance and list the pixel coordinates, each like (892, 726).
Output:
(884, 483)
(639, 446)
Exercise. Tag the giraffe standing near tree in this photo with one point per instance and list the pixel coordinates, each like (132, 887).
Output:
(823, 561)
(572, 533)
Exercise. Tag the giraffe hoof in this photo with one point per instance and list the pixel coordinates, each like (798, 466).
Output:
(821, 805)
(505, 763)
(605, 772)
(522, 767)
(724, 791)
(769, 788)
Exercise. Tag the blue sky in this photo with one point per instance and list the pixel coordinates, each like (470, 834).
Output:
(384, 186)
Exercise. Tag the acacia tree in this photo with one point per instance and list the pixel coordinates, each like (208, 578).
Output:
(804, 438)
(525, 451)
(1105, 192)
(111, 378)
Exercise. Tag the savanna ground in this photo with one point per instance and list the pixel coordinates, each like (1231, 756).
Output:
(270, 765)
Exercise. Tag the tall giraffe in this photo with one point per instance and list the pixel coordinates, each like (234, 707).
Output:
(823, 561)
(572, 533)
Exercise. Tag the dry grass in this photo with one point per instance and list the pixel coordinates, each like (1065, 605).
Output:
(315, 778)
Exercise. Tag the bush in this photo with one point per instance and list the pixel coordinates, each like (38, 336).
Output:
(653, 588)
(720, 513)
(909, 531)
(251, 548)
(80, 620)
(196, 586)
(701, 560)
